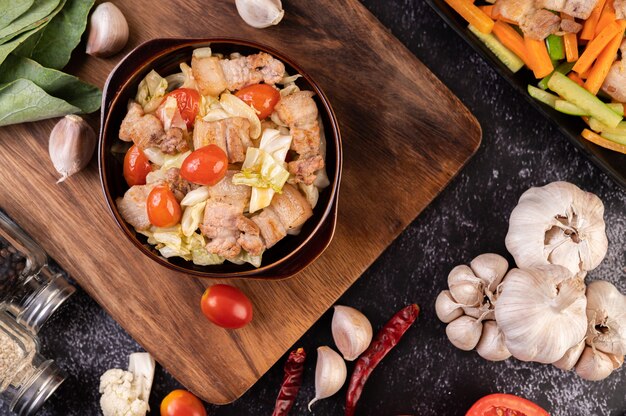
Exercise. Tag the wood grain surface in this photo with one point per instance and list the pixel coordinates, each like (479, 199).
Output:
(405, 137)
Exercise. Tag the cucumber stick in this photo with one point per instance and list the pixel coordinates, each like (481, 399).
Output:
(582, 98)
(597, 125)
(569, 108)
(508, 58)
(555, 102)
(617, 107)
(564, 68)
(617, 138)
(556, 47)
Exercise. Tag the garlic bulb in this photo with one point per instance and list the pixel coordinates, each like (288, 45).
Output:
(260, 13)
(541, 311)
(352, 332)
(571, 357)
(71, 145)
(558, 224)
(606, 314)
(446, 308)
(490, 268)
(595, 365)
(464, 332)
(330, 374)
(465, 288)
(491, 345)
(108, 31)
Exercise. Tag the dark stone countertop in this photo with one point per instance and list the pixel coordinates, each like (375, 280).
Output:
(425, 374)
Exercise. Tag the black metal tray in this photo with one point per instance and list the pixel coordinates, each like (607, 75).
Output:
(613, 163)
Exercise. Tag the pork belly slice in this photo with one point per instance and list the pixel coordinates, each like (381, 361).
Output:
(132, 206)
(145, 130)
(306, 141)
(540, 24)
(570, 26)
(272, 230)
(516, 10)
(615, 82)
(208, 74)
(580, 9)
(304, 168)
(178, 185)
(298, 110)
(174, 142)
(620, 9)
(232, 135)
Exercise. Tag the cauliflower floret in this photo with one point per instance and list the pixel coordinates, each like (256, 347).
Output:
(121, 394)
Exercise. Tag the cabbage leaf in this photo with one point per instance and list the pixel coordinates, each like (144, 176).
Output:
(150, 91)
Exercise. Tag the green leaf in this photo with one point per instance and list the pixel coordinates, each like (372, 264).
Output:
(61, 36)
(22, 101)
(85, 96)
(9, 47)
(40, 12)
(12, 9)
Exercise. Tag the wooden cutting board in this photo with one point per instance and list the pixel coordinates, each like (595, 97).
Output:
(405, 137)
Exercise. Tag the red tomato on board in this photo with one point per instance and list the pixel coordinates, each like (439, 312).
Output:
(506, 405)
(226, 306)
(182, 403)
(136, 166)
(188, 101)
(205, 166)
(262, 97)
(163, 208)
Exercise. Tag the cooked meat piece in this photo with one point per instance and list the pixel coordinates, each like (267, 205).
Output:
(306, 141)
(570, 26)
(620, 9)
(291, 207)
(297, 109)
(272, 230)
(550, 4)
(615, 82)
(145, 130)
(220, 227)
(231, 134)
(174, 142)
(540, 24)
(516, 10)
(304, 168)
(209, 75)
(179, 186)
(580, 9)
(226, 191)
(247, 70)
(133, 206)
(249, 239)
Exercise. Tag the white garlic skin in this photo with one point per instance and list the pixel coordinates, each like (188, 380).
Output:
(541, 311)
(260, 13)
(491, 345)
(606, 313)
(108, 31)
(464, 332)
(446, 308)
(352, 332)
(330, 374)
(465, 288)
(490, 268)
(595, 365)
(558, 224)
(571, 357)
(71, 145)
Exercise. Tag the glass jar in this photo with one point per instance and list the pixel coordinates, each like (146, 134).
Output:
(29, 290)
(27, 379)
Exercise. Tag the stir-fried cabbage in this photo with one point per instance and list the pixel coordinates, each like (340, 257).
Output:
(237, 108)
(167, 162)
(196, 196)
(169, 114)
(150, 91)
(202, 52)
(155, 155)
(261, 170)
(245, 257)
(171, 242)
(192, 216)
(182, 79)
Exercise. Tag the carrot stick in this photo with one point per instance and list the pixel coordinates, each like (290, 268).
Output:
(489, 12)
(472, 14)
(574, 77)
(571, 47)
(538, 57)
(589, 28)
(512, 40)
(601, 141)
(606, 18)
(601, 68)
(595, 47)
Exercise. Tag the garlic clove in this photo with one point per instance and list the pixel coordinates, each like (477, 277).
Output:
(595, 365)
(467, 293)
(571, 357)
(491, 268)
(491, 345)
(606, 314)
(446, 308)
(352, 332)
(464, 332)
(483, 312)
(71, 145)
(260, 13)
(108, 31)
(330, 374)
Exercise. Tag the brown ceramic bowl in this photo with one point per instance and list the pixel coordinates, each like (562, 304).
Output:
(292, 253)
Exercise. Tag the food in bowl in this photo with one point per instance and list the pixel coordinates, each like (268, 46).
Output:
(225, 158)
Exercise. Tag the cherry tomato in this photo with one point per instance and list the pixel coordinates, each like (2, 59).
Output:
(163, 208)
(136, 166)
(505, 404)
(261, 97)
(226, 306)
(188, 101)
(182, 403)
(205, 166)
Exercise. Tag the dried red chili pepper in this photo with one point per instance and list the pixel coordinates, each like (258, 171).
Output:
(385, 340)
(294, 367)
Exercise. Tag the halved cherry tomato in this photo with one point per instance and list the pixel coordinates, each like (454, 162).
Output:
(261, 97)
(136, 166)
(163, 208)
(182, 403)
(505, 404)
(205, 166)
(188, 101)
(226, 306)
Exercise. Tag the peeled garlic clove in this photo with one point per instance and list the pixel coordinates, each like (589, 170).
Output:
(571, 357)
(464, 332)
(491, 345)
(71, 145)
(260, 13)
(606, 314)
(108, 31)
(446, 308)
(352, 332)
(595, 365)
(490, 268)
(330, 374)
